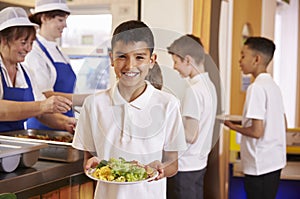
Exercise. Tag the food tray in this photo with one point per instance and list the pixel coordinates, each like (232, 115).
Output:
(56, 150)
(17, 153)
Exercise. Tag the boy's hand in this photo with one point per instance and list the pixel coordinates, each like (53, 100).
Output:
(91, 163)
(159, 167)
(229, 124)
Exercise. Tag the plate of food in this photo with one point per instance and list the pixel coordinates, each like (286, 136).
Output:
(236, 119)
(122, 172)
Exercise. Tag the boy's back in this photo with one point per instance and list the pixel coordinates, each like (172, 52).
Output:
(263, 146)
(200, 103)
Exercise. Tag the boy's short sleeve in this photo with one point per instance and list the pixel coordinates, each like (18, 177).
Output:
(256, 103)
(175, 137)
(191, 106)
(83, 136)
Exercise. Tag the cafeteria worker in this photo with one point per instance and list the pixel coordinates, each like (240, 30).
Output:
(16, 89)
(51, 68)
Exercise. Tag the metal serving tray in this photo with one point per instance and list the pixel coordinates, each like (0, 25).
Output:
(56, 150)
(17, 153)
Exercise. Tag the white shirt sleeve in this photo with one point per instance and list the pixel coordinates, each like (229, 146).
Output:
(38, 96)
(41, 69)
(256, 103)
(175, 136)
(191, 106)
(83, 137)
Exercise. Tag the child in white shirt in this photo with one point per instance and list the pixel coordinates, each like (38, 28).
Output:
(132, 119)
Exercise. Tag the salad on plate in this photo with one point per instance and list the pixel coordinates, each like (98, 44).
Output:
(120, 171)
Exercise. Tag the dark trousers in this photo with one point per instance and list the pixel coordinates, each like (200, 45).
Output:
(263, 186)
(186, 185)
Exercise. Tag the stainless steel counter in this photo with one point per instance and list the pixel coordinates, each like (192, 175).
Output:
(40, 174)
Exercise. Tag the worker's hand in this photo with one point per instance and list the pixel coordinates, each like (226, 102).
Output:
(70, 124)
(56, 104)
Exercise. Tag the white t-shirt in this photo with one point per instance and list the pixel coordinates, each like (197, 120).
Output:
(200, 103)
(264, 102)
(20, 81)
(139, 130)
(39, 64)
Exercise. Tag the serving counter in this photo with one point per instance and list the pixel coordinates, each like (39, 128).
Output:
(48, 179)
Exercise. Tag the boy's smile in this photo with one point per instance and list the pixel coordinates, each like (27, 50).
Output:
(131, 62)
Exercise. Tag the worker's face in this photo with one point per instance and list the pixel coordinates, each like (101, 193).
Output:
(18, 49)
(131, 62)
(54, 26)
(247, 60)
(181, 66)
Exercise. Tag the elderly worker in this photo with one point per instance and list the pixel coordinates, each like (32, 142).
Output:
(17, 96)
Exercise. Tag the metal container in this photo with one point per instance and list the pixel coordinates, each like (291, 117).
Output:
(15, 153)
(57, 150)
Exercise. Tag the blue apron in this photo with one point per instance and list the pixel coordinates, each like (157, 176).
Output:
(16, 94)
(65, 82)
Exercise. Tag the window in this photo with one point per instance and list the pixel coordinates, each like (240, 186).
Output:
(87, 30)
(86, 40)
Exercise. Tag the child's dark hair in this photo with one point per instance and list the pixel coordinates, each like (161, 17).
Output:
(133, 31)
(155, 76)
(188, 45)
(262, 45)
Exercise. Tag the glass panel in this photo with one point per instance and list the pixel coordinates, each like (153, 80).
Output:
(87, 30)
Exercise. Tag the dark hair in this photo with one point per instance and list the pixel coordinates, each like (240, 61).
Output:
(36, 18)
(155, 77)
(262, 45)
(188, 45)
(133, 31)
(15, 32)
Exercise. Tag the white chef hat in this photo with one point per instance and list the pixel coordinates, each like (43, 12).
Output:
(49, 5)
(14, 16)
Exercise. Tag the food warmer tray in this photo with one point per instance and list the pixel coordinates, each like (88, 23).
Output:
(15, 153)
(57, 150)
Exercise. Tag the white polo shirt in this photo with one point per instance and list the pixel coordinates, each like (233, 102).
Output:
(200, 103)
(264, 102)
(39, 64)
(139, 130)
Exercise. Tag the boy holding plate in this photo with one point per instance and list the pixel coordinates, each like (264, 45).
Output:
(132, 120)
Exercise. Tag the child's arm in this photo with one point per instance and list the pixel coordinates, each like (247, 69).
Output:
(191, 129)
(77, 99)
(256, 130)
(169, 165)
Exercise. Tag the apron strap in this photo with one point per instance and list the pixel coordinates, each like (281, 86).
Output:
(45, 50)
